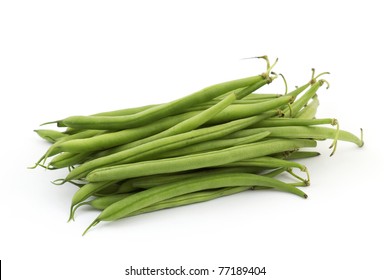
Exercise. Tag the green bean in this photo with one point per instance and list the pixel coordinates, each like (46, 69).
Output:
(191, 198)
(120, 112)
(53, 150)
(166, 127)
(243, 101)
(143, 199)
(271, 162)
(221, 140)
(112, 139)
(267, 161)
(202, 160)
(214, 145)
(50, 135)
(90, 189)
(131, 111)
(193, 122)
(304, 99)
(229, 114)
(163, 145)
(274, 173)
(246, 110)
(182, 164)
(272, 122)
(150, 148)
(161, 111)
(312, 132)
(302, 155)
(296, 154)
(182, 127)
(310, 110)
(67, 159)
(299, 90)
(255, 97)
(84, 192)
(124, 112)
(260, 96)
(152, 181)
(159, 179)
(99, 203)
(102, 203)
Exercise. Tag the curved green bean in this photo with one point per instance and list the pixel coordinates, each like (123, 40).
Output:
(312, 132)
(138, 201)
(102, 203)
(161, 111)
(50, 135)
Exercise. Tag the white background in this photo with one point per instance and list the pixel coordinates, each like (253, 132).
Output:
(60, 58)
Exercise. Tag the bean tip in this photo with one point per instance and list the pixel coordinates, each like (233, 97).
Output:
(52, 122)
(361, 138)
(94, 223)
(58, 182)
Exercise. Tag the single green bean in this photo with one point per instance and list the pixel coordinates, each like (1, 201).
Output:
(271, 162)
(131, 111)
(85, 191)
(67, 159)
(161, 111)
(207, 105)
(310, 110)
(214, 145)
(50, 135)
(102, 203)
(272, 122)
(311, 132)
(99, 203)
(304, 99)
(267, 161)
(201, 160)
(152, 181)
(302, 155)
(274, 173)
(246, 110)
(191, 198)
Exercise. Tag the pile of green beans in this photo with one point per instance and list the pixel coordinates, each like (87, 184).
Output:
(222, 140)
